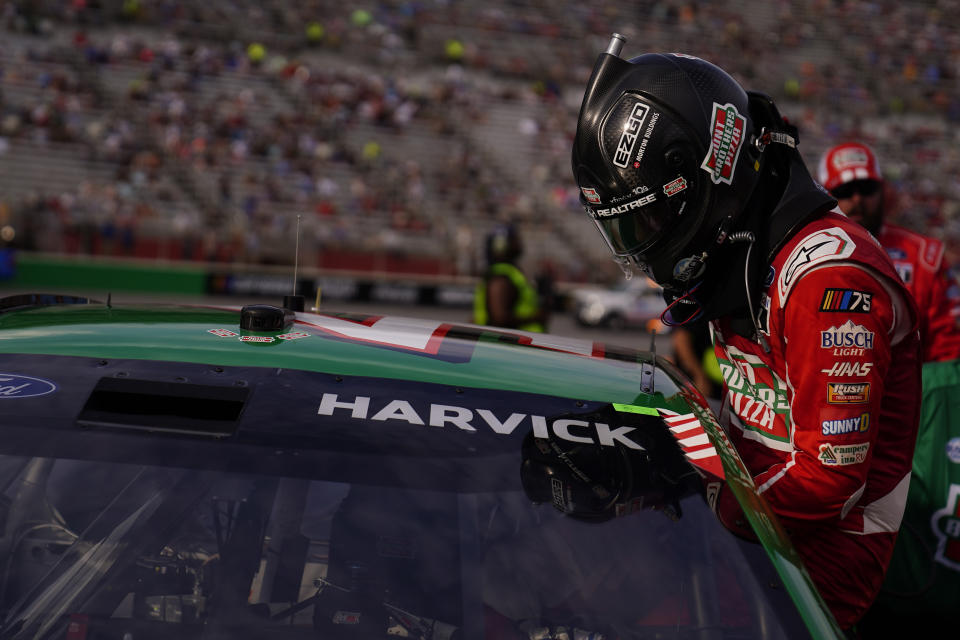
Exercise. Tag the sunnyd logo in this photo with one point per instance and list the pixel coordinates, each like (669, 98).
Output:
(946, 526)
(16, 386)
(726, 139)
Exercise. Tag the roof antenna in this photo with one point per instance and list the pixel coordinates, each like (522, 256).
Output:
(294, 302)
(647, 369)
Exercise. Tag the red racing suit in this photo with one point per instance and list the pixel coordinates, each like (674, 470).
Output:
(826, 419)
(919, 261)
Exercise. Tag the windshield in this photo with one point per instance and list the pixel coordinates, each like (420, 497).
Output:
(114, 550)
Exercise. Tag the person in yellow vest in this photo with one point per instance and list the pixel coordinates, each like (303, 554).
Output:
(504, 297)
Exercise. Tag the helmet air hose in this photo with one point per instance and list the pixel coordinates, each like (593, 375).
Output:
(747, 236)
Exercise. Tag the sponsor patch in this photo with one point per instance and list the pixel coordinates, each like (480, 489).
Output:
(689, 268)
(848, 300)
(674, 187)
(945, 523)
(256, 339)
(932, 254)
(625, 207)
(818, 247)
(844, 369)
(771, 276)
(591, 195)
(896, 254)
(638, 190)
(953, 450)
(13, 385)
(848, 393)
(841, 455)
(726, 140)
(293, 335)
(646, 139)
(763, 316)
(840, 426)
(905, 271)
(223, 333)
(346, 617)
(559, 498)
(847, 335)
(624, 150)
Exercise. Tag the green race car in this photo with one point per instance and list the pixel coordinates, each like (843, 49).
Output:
(265, 472)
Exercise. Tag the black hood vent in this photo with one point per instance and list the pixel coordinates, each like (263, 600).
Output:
(156, 406)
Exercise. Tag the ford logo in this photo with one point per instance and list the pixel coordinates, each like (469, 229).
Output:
(16, 386)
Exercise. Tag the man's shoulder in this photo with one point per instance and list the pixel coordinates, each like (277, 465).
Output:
(903, 244)
(827, 239)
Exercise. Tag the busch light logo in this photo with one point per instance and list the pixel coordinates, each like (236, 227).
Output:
(17, 386)
(847, 335)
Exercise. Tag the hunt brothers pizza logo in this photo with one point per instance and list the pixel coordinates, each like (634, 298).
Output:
(726, 140)
(946, 526)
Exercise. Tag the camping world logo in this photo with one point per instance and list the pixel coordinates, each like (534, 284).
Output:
(946, 526)
(726, 140)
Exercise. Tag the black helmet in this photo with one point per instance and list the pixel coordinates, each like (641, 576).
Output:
(666, 158)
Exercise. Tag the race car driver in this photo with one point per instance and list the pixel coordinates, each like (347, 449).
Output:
(699, 185)
(851, 173)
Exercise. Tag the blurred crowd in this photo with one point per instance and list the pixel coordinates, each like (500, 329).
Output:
(215, 130)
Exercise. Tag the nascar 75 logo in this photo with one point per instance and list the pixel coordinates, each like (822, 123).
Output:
(848, 300)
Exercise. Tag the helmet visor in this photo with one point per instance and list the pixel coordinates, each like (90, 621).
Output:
(638, 224)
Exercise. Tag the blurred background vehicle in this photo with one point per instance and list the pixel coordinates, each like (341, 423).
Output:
(630, 304)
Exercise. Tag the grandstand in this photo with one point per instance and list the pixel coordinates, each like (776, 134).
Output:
(400, 132)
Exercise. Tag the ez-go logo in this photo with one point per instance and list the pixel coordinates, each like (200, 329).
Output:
(628, 138)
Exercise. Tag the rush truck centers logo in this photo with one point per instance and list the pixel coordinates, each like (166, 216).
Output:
(726, 140)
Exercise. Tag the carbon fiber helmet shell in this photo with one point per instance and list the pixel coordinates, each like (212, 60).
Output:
(665, 160)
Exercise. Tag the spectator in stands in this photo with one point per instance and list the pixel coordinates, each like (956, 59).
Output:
(851, 173)
(505, 297)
